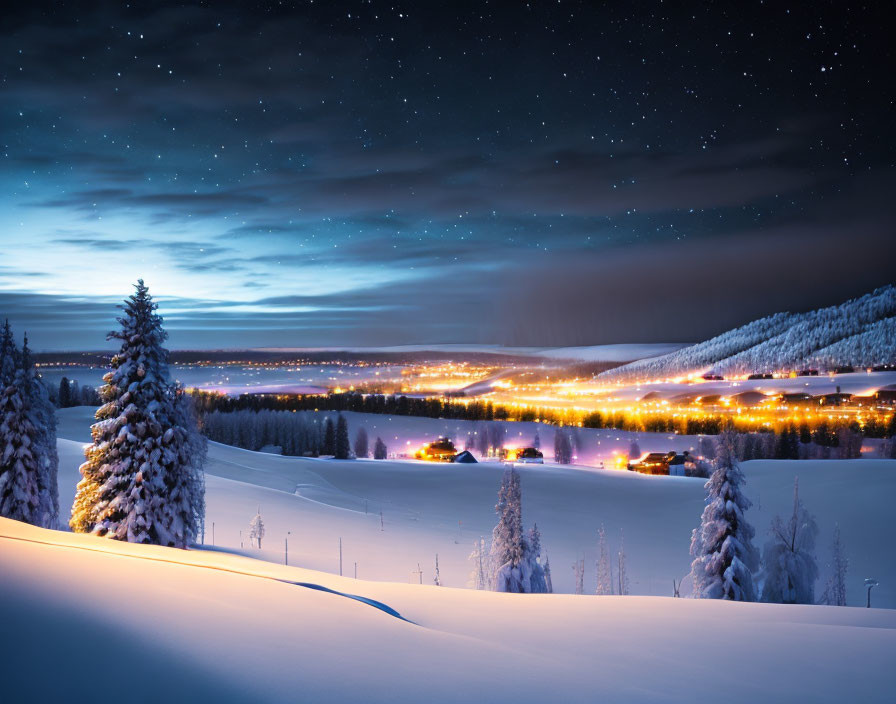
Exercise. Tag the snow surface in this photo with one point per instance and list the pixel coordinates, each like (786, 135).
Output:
(443, 508)
(84, 615)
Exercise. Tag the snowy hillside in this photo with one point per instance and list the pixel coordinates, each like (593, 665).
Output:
(859, 332)
(218, 627)
(443, 508)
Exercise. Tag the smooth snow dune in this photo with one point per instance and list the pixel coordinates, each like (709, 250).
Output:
(84, 616)
(443, 508)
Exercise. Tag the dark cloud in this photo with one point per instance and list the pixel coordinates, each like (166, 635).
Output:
(454, 172)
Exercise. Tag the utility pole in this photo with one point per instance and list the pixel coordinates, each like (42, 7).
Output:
(241, 540)
(418, 572)
(213, 532)
(340, 557)
(286, 548)
(356, 570)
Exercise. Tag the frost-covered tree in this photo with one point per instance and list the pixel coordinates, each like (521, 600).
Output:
(622, 586)
(789, 567)
(342, 446)
(19, 462)
(256, 529)
(532, 556)
(361, 443)
(578, 572)
(835, 588)
(507, 550)
(634, 449)
(479, 559)
(186, 484)
(437, 579)
(604, 572)
(722, 546)
(536, 440)
(548, 584)
(379, 449)
(28, 458)
(137, 448)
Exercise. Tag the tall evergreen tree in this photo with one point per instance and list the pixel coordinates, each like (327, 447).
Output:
(44, 442)
(65, 392)
(724, 556)
(379, 449)
(256, 529)
(138, 448)
(329, 439)
(507, 537)
(342, 446)
(19, 463)
(789, 567)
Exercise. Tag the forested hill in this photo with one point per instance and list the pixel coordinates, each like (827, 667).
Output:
(860, 332)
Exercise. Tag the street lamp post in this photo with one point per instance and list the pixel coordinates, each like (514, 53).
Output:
(286, 548)
(870, 584)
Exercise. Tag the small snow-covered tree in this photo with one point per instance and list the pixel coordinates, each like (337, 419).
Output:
(621, 569)
(536, 440)
(507, 552)
(123, 493)
(361, 443)
(835, 588)
(722, 546)
(532, 556)
(578, 571)
(604, 572)
(379, 450)
(437, 580)
(549, 585)
(789, 567)
(256, 529)
(634, 449)
(479, 559)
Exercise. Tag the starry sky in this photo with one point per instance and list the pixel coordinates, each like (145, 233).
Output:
(366, 173)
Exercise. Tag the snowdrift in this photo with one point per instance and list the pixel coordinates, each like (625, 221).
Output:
(84, 615)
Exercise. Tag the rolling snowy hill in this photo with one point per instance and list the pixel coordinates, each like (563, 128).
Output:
(84, 615)
(860, 332)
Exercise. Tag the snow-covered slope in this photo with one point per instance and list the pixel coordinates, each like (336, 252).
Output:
(858, 332)
(84, 616)
(438, 508)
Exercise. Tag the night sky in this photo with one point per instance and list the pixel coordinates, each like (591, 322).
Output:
(365, 173)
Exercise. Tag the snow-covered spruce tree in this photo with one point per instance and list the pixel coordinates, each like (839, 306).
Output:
(437, 580)
(185, 515)
(256, 529)
(342, 446)
(722, 546)
(835, 588)
(361, 443)
(19, 462)
(604, 573)
(532, 556)
(43, 443)
(548, 584)
(511, 573)
(136, 450)
(379, 450)
(788, 558)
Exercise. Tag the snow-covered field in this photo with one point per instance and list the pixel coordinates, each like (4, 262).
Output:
(224, 627)
(442, 508)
